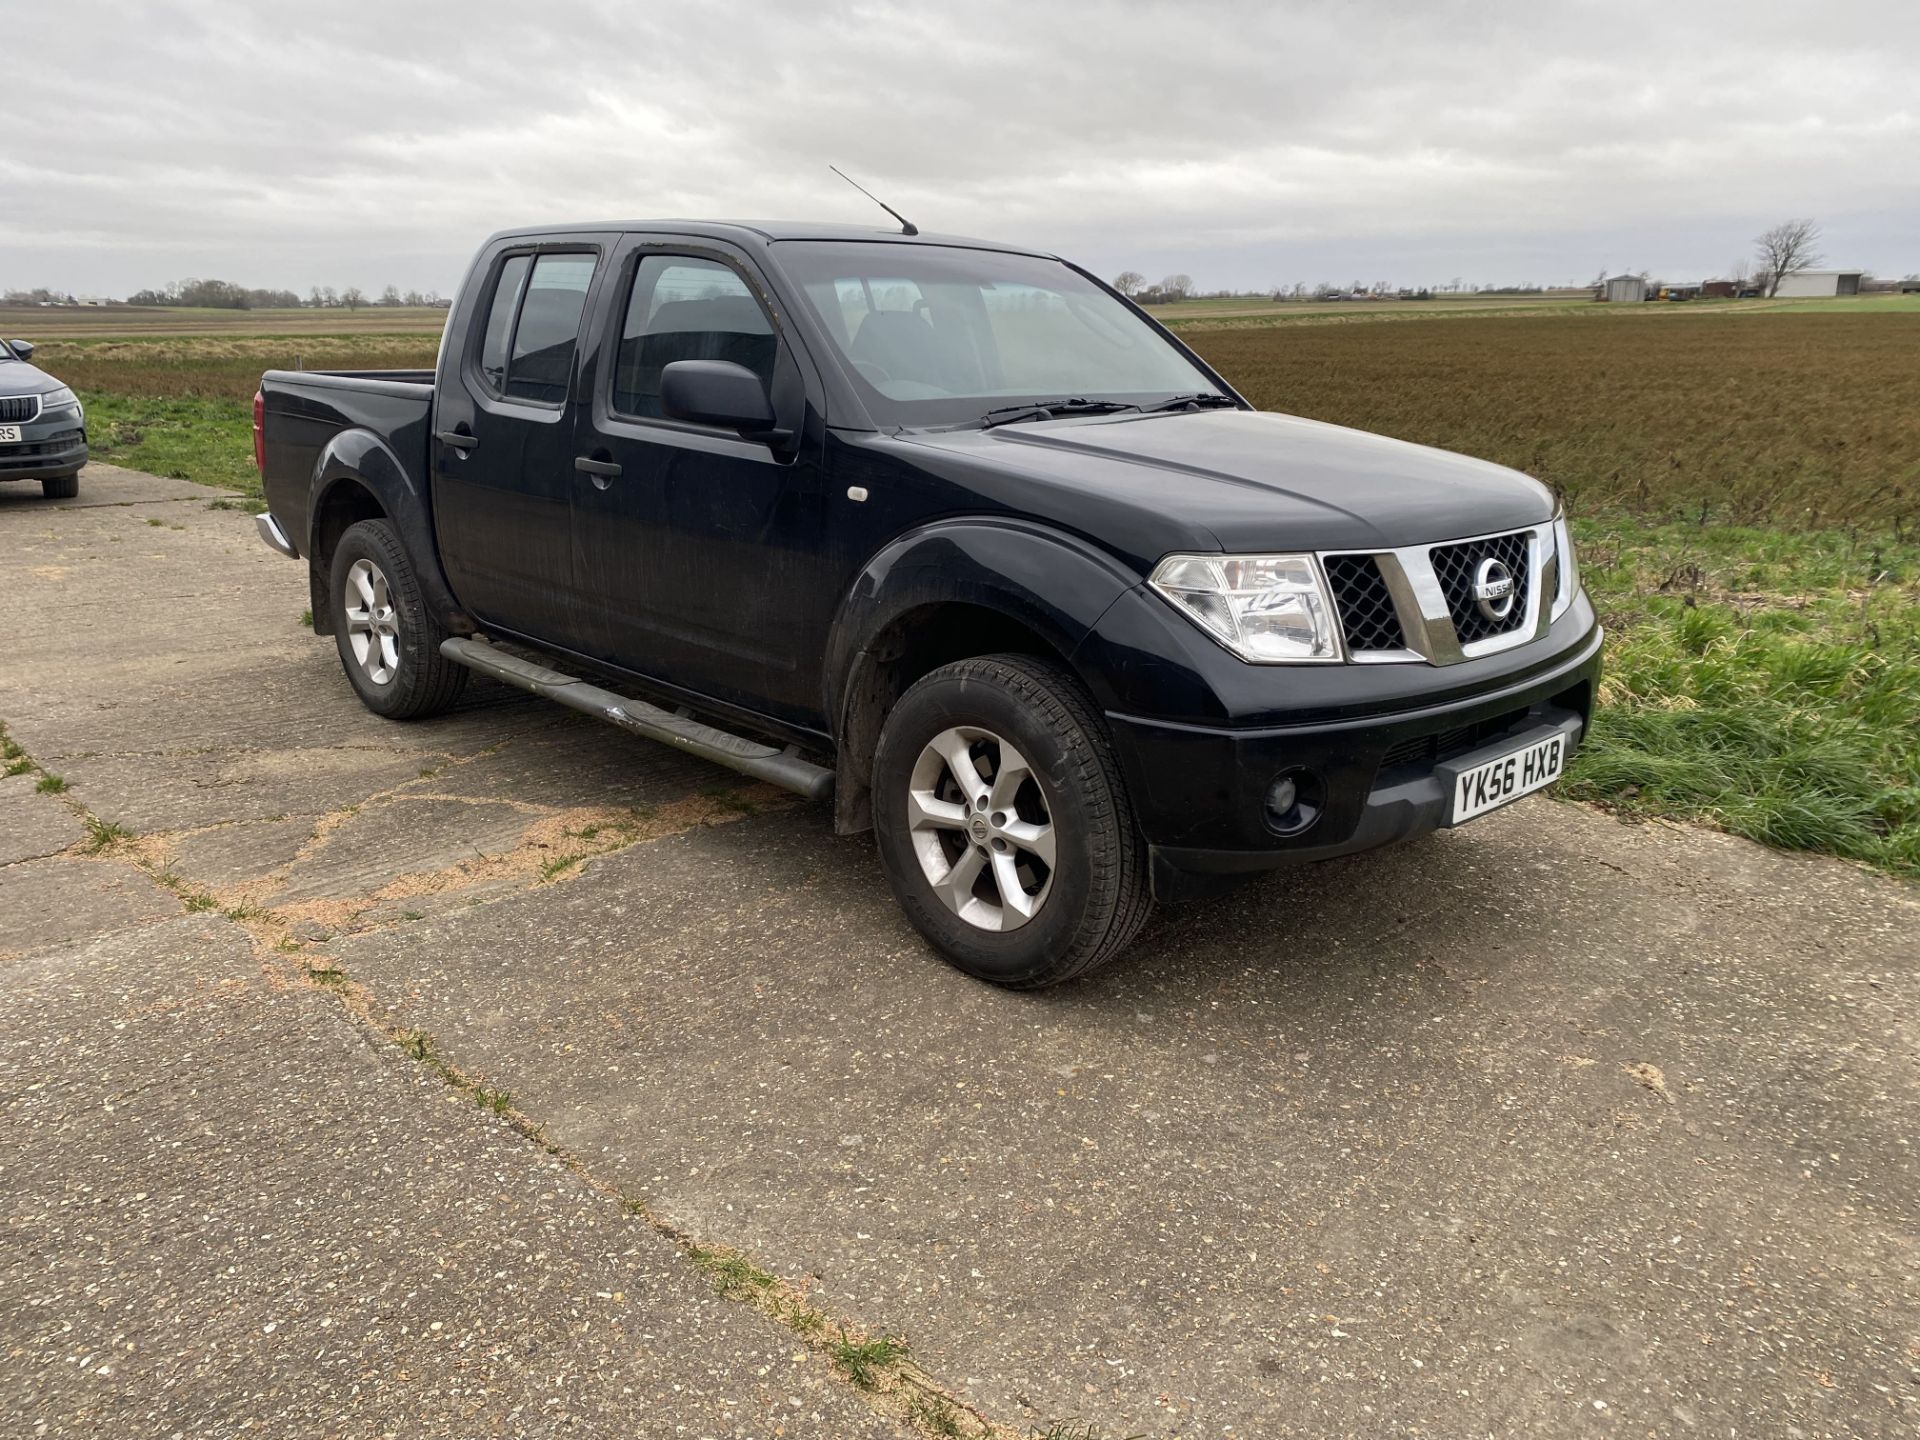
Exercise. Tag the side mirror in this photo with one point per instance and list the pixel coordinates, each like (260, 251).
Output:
(21, 348)
(717, 392)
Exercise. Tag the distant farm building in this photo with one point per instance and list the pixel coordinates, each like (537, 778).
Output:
(1629, 289)
(1719, 290)
(1820, 282)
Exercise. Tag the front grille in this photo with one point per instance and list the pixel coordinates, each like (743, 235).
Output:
(55, 444)
(1454, 566)
(18, 407)
(1430, 749)
(1367, 616)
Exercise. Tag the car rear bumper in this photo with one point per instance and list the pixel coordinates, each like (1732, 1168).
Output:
(1200, 793)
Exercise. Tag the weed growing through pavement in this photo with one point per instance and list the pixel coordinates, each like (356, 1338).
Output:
(103, 835)
(865, 1362)
(19, 765)
(559, 865)
(51, 785)
(733, 1275)
(936, 1414)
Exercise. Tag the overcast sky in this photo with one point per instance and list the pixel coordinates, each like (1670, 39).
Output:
(1246, 144)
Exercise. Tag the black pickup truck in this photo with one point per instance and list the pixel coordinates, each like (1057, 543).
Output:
(952, 533)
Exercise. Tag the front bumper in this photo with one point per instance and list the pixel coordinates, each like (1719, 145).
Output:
(1200, 791)
(49, 447)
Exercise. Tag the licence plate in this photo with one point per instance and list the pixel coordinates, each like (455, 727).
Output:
(9, 434)
(1495, 782)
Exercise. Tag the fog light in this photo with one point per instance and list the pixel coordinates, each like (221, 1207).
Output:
(1293, 801)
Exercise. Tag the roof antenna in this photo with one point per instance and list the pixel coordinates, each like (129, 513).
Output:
(907, 227)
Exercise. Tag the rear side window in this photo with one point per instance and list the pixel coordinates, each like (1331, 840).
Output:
(533, 326)
(506, 300)
(549, 328)
(683, 308)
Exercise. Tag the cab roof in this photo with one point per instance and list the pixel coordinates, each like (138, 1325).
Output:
(759, 233)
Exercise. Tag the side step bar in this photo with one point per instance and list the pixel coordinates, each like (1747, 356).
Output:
(749, 757)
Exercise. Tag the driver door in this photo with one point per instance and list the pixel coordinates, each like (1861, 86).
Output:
(705, 554)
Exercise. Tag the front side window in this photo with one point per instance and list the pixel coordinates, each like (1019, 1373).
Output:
(684, 308)
(939, 335)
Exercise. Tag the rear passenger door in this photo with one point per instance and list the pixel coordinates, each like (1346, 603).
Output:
(705, 554)
(503, 444)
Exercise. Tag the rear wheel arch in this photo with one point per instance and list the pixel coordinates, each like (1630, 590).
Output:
(344, 502)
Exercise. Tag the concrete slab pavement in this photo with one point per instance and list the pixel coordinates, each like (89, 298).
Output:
(227, 1211)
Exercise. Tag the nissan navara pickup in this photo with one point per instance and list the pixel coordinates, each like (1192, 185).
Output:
(952, 534)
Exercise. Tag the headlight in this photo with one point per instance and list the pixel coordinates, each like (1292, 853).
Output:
(61, 399)
(1569, 572)
(1269, 609)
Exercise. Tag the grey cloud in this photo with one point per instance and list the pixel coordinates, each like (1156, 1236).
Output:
(1243, 143)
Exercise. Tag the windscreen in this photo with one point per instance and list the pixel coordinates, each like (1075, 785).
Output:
(938, 335)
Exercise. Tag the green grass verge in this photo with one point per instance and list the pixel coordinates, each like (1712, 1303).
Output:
(205, 439)
(1765, 681)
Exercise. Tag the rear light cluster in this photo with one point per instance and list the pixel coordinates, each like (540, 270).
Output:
(260, 432)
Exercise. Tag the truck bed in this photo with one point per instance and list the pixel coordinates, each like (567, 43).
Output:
(308, 416)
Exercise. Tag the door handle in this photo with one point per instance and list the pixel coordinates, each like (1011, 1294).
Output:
(458, 439)
(608, 468)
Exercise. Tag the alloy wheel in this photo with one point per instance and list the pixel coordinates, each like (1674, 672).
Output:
(981, 828)
(373, 628)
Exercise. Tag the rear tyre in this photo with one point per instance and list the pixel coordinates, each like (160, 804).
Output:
(1004, 825)
(60, 487)
(389, 641)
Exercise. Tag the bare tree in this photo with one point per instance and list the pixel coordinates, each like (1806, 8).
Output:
(1177, 287)
(353, 297)
(1129, 282)
(1787, 249)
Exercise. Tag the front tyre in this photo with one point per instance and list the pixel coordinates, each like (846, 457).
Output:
(1004, 825)
(389, 642)
(60, 487)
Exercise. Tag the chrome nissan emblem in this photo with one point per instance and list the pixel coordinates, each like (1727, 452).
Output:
(1493, 589)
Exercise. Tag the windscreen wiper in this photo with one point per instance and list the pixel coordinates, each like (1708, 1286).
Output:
(1200, 400)
(1047, 409)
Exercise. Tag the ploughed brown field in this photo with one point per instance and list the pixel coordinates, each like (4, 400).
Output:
(1793, 419)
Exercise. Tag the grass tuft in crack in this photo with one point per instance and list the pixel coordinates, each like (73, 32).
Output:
(49, 784)
(733, 1275)
(866, 1362)
(103, 835)
(1074, 1430)
(936, 1415)
(488, 1098)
